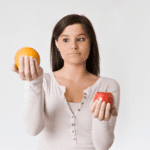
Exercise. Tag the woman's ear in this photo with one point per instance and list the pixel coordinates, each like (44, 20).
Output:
(56, 43)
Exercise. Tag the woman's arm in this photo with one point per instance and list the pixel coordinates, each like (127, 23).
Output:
(32, 112)
(103, 131)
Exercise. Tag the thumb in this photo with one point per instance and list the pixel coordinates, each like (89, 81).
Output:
(14, 68)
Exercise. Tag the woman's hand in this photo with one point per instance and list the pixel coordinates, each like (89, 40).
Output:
(29, 68)
(101, 110)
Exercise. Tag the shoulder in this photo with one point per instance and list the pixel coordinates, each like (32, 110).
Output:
(105, 80)
(110, 83)
(109, 80)
(46, 79)
(46, 76)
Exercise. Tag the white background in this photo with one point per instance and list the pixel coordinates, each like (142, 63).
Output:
(123, 34)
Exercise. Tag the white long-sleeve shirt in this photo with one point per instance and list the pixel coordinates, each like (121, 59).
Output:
(45, 112)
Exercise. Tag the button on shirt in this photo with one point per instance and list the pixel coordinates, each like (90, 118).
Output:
(62, 125)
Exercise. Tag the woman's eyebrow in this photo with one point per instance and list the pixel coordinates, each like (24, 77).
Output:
(78, 34)
(82, 34)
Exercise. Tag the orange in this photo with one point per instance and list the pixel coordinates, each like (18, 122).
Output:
(26, 51)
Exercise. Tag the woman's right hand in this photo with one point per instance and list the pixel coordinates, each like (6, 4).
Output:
(29, 68)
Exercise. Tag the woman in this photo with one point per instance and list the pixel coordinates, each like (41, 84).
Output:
(59, 105)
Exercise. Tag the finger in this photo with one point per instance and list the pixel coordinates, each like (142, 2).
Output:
(37, 67)
(107, 112)
(111, 109)
(33, 69)
(114, 111)
(102, 111)
(97, 109)
(14, 68)
(93, 105)
(27, 69)
(21, 68)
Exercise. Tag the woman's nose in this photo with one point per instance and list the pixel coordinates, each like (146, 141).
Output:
(74, 45)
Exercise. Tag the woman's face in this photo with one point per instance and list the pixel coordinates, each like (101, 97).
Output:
(74, 40)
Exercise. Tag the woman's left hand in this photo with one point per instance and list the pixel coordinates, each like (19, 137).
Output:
(101, 110)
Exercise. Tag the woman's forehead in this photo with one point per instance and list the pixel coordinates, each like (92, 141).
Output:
(74, 29)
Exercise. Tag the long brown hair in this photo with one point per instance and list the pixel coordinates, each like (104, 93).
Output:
(93, 61)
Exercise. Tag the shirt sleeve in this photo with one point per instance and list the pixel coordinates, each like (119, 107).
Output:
(103, 131)
(32, 112)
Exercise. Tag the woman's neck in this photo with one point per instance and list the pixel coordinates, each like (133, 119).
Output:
(74, 73)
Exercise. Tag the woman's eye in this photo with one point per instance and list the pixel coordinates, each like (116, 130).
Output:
(65, 40)
(81, 39)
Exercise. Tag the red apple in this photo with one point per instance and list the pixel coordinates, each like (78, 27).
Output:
(104, 96)
(108, 98)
